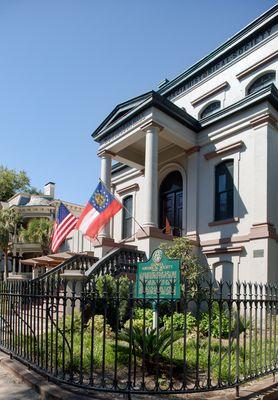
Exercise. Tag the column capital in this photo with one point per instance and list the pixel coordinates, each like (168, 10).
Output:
(151, 124)
(105, 154)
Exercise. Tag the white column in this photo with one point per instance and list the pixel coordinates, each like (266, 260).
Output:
(105, 176)
(192, 194)
(19, 262)
(151, 175)
(14, 262)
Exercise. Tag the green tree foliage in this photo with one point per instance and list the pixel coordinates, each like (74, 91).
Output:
(9, 223)
(12, 182)
(191, 268)
(38, 231)
(33, 190)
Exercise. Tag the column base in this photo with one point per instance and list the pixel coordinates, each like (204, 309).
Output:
(151, 232)
(150, 238)
(103, 245)
(16, 277)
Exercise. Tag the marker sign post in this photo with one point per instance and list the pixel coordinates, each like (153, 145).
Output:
(159, 277)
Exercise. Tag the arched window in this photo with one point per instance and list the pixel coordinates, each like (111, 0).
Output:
(224, 190)
(261, 82)
(127, 217)
(171, 203)
(210, 109)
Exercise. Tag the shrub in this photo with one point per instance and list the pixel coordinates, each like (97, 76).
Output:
(191, 268)
(138, 319)
(178, 321)
(225, 326)
(99, 325)
(215, 323)
(106, 294)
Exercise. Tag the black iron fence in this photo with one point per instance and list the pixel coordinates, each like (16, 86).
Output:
(96, 334)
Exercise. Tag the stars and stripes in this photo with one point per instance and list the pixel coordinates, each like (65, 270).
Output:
(64, 224)
(101, 207)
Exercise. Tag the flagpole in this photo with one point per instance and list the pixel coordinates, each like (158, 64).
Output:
(124, 207)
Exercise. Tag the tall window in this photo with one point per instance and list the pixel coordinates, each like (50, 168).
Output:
(210, 109)
(261, 82)
(171, 203)
(127, 217)
(224, 190)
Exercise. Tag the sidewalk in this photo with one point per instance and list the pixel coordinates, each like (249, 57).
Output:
(12, 388)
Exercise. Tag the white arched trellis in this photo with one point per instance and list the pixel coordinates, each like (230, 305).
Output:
(162, 173)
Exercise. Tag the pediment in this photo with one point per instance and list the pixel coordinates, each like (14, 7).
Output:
(121, 110)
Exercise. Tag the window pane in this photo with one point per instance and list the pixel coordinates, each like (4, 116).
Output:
(210, 109)
(261, 82)
(223, 203)
(224, 190)
(127, 217)
(222, 183)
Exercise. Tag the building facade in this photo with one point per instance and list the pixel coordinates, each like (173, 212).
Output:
(199, 158)
(31, 206)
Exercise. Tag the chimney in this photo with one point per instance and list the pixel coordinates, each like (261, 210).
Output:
(49, 189)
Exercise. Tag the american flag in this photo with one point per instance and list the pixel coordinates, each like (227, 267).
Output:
(64, 224)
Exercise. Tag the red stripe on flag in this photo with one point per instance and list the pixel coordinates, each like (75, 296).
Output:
(103, 218)
(62, 231)
(83, 214)
(59, 227)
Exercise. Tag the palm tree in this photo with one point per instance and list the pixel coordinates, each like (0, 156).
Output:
(38, 231)
(9, 222)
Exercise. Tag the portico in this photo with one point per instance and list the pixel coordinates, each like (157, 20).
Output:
(145, 134)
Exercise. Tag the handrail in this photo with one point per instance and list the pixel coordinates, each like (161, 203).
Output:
(120, 260)
(76, 260)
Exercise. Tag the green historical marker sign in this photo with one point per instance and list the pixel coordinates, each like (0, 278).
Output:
(158, 270)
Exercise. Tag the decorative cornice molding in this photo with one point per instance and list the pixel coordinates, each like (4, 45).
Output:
(257, 65)
(224, 221)
(150, 232)
(263, 230)
(225, 150)
(128, 189)
(212, 92)
(223, 250)
(263, 120)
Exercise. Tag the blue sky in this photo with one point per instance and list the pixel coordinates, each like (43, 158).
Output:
(65, 64)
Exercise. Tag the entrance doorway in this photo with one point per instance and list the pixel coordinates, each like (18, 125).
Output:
(171, 204)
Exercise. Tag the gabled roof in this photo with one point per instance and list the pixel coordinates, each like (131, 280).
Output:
(125, 111)
(120, 110)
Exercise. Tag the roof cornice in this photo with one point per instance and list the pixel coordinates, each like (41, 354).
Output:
(262, 22)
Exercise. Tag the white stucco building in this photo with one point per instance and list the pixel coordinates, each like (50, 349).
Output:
(198, 157)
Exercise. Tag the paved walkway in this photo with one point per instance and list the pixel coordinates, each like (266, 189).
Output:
(12, 389)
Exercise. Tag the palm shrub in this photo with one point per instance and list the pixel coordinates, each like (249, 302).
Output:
(9, 223)
(38, 231)
(151, 342)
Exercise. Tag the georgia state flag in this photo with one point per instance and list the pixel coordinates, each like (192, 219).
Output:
(101, 207)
